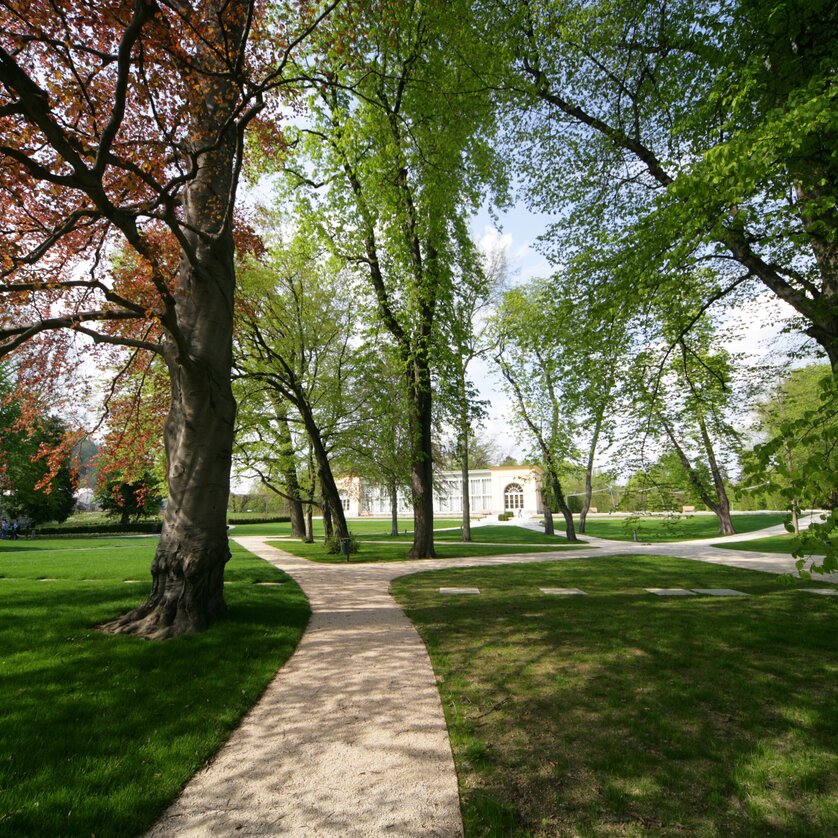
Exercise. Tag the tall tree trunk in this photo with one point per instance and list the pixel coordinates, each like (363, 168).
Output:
(466, 492)
(309, 536)
(394, 509)
(328, 487)
(589, 471)
(561, 503)
(463, 449)
(719, 504)
(187, 592)
(421, 467)
(328, 529)
(289, 475)
(549, 525)
(421, 470)
(722, 508)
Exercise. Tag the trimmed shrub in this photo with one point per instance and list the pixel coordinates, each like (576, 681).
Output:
(332, 545)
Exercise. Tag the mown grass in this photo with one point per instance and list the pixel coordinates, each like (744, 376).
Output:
(375, 551)
(770, 544)
(357, 526)
(99, 733)
(488, 534)
(677, 528)
(621, 713)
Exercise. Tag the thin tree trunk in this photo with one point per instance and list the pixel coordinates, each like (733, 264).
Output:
(723, 504)
(466, 492)
(549, 525)
(558, 494)
(328, 529)
(309, 523)
(328, 487)
(589, 471)
(394, 510)
(795, 506)
(289, 475)
(719, 505)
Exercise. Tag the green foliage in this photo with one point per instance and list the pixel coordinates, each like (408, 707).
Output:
(38, 478)
(130, 500)
(670, 138)
(800, 460)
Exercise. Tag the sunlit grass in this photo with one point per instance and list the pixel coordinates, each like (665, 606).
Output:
(771, 544)
(357, 526)
(679, 528)
(378, 551)
(621, 713)
(488, 534)
(99, 733)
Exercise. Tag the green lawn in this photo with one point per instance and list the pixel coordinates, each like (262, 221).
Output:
(680, 528)
(375, 551)
(622, 713)
(489, 534)
(770, 544)
(357, 526)
(99, 733)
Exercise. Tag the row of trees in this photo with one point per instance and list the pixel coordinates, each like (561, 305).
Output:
(686, 149)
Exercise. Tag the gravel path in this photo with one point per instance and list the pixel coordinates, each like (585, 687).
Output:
(349, 738)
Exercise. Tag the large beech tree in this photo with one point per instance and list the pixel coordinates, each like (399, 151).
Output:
(123, 130)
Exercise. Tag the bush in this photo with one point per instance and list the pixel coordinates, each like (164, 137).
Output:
(268, 519)
(505, 516)
(332, 545)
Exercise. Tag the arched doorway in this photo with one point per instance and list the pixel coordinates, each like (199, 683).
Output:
(513, 497)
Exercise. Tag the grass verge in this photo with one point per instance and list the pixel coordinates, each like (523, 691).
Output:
(376, 551)
(679, 528)
(357, 526)
(621, 713)
(489, 534)
(771, 544)
(99, 733)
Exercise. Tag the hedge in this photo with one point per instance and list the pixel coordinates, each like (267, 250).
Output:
(139, 527)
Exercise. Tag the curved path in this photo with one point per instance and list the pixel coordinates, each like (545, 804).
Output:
(349, 739)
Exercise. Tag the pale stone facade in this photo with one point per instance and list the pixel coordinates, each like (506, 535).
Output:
(515, 489)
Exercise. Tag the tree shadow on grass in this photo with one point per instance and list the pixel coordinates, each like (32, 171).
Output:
(621, 711)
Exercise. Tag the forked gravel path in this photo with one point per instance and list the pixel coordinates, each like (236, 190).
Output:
(349, 739)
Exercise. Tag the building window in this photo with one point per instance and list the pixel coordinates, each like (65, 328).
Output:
(480, 494)
(513, 497)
